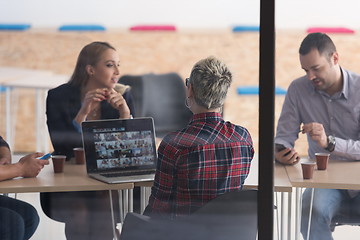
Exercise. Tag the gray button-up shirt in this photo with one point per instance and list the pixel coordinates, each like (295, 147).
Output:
(339, 114)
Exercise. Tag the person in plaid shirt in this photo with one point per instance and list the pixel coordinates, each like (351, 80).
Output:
(208, 157)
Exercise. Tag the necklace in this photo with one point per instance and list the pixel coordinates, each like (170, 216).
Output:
(95, 112)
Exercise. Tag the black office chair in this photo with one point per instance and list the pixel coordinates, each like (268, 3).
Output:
(162, 97)
(346, 216)
(230, 216)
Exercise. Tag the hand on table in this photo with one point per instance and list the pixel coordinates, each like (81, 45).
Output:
(31, 166)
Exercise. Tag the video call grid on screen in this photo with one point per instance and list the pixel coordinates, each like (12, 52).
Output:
(115, 148)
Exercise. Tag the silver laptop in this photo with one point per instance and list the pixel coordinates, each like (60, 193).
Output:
(120, 150)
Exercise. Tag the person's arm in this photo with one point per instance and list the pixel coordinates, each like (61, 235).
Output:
(346, 148)
(10, 171)
(160, 201)
(130, 102)
(62, 105)
(125, 91)
(91, 100)
(109, 112)
(288, 130)
(117, 101)
(28, 166)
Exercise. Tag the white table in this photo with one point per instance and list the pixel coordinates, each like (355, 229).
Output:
(338, 175)
(74, 178)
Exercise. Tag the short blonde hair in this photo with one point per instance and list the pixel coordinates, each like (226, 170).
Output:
(210, 80)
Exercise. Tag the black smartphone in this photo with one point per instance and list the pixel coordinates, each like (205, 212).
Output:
(280, 147)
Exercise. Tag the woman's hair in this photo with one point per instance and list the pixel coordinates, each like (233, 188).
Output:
(210, 80)
(89, 55)
(320, 42)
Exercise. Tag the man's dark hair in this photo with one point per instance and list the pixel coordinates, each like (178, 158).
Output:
(319, 41)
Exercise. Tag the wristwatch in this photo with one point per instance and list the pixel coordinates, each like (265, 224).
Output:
(331, 143)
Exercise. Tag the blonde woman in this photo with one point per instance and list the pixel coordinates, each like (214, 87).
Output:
(91, 94)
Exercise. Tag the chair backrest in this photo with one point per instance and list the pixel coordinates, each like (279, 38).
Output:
(231, 203)
(162, 97)
(230, 216)
(345, 218)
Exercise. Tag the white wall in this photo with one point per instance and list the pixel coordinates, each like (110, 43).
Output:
(126, 13)
(183, 13)
(308, 13)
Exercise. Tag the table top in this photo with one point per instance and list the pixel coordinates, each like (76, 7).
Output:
(74, 178)
(338, 175)
(281, 179)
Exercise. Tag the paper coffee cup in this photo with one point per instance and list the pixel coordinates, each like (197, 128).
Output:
(322, 160)
(58, 163)
(79, 155)
(308, 169)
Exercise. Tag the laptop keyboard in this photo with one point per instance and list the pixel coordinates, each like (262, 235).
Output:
(122, 174)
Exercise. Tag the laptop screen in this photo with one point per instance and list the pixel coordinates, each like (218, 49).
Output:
(119, 144)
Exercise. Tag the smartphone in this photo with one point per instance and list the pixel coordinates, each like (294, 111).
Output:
(280, 147)
(45, 157)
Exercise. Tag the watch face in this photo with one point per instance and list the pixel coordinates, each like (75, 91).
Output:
(331, 143)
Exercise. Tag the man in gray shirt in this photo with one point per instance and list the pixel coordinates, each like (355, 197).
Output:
(326, 102)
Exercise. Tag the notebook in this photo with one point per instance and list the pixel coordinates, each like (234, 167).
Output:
(120, 150)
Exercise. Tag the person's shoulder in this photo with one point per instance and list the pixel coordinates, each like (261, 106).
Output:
(301, 85)
(172, 137)
(239, 127)
(352, 76)
(179, 139)
(299, 81)
(238, 132)
(242, 131)
(62, 90)
(350, 73)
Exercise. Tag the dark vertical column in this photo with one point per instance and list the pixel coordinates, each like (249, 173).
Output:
(266, 119)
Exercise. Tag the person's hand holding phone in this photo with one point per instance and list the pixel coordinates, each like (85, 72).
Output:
(31, 164)
(286, 155)
(45, 156)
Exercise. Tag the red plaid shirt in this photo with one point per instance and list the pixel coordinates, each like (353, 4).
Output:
(207, 158)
